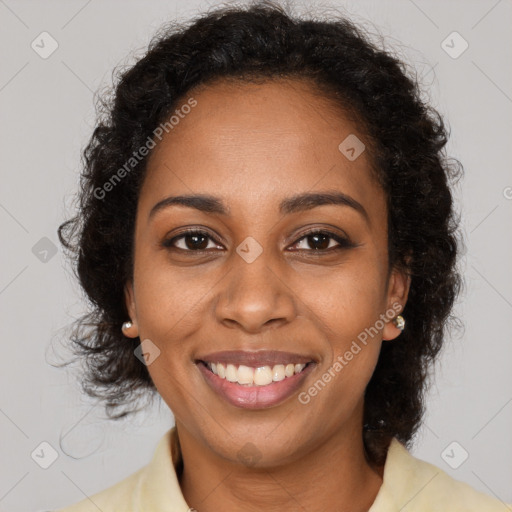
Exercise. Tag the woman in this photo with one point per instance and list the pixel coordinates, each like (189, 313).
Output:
(267, 234)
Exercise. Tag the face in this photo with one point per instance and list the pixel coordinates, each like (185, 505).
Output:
(289, 299)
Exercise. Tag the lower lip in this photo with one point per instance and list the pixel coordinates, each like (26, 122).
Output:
(254, 397)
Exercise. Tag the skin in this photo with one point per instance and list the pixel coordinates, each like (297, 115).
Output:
(254, 145)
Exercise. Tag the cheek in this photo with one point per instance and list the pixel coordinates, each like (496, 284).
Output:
(166, 305)
(168, 298)
(346, 300)
(347, 307)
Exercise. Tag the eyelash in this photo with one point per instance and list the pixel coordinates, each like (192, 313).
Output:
(344, 243)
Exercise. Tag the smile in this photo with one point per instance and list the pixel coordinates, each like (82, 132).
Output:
(254, 380)
(260, 376)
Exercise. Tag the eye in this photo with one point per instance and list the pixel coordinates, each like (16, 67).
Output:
(192, 240)
(319, 240)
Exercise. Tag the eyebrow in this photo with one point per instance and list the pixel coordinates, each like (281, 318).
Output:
(297, 203)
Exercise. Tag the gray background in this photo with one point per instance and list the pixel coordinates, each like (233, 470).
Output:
(47, 115)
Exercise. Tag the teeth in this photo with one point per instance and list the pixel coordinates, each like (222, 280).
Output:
(261, 376)
(278, 372)
(231, 373)
(245, 375)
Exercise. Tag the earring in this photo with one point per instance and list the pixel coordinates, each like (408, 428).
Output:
(399, 322)
(126, 325)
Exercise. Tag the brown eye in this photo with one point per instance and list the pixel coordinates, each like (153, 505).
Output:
(323, 241)
(191, 241)
(314, 241)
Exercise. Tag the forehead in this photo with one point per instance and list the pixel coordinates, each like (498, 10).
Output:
(257, 143)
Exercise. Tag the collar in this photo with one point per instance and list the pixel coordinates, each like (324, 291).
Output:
(158, 489)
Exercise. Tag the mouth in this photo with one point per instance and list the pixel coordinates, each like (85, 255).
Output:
(258, 376)
(255, 380)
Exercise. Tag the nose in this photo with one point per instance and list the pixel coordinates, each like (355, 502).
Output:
(254, 296)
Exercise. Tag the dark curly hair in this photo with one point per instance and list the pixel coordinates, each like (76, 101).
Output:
(406, 143)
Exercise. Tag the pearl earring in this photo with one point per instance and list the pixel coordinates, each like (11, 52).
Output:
(399, 322)
(126, 325)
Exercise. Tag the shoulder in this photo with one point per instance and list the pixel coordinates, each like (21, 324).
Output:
(412, 484)
(117, 497)
(155, 486)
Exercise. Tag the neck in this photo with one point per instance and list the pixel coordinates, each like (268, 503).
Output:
(334, 476)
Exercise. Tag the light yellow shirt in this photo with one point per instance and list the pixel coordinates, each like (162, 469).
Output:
(409, 485)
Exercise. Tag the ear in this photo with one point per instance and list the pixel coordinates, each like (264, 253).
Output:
(398, 291)
(129, 297)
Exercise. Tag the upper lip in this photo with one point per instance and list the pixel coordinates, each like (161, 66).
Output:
(256, 358)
